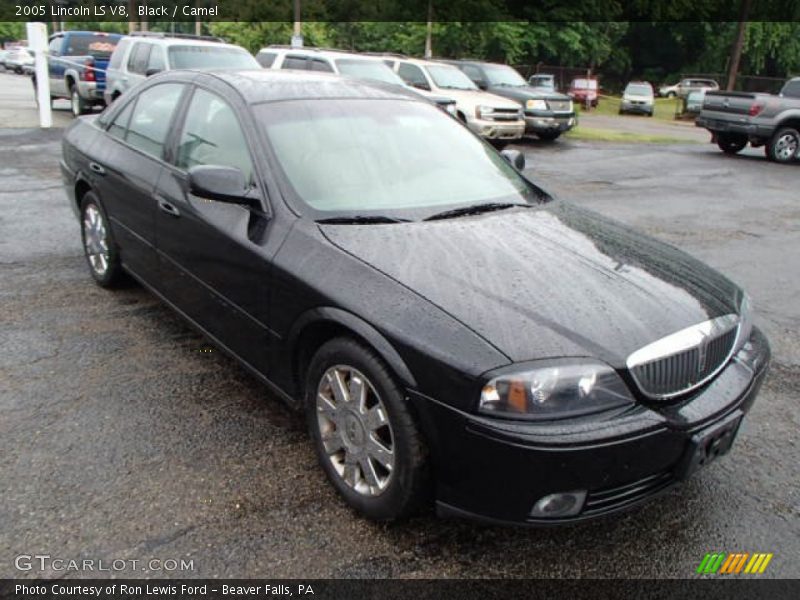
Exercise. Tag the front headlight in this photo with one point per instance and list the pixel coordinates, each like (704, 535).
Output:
(745, 321)
(559, 389)
(481, 112)
(536, 105)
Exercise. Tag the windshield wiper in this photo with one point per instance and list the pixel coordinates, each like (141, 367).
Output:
(361, 220)
(472, 210)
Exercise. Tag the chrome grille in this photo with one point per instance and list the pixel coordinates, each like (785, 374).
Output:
(684, 360)
(504, 114)
(559, 105)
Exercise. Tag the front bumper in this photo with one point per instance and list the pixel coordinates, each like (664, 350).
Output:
(496, 470)
(545, 123)
(497, 130)
(630, 107)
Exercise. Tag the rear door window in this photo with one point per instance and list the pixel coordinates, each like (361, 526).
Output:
(294, 62)
(412, 74)
(791, 89)
(318, 64)
(119, 53)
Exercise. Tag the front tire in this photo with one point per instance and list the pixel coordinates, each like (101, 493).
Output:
(731, 143)
(99, 247)
(783, 146)
(364, 435)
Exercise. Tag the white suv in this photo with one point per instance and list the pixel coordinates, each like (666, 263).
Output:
(349, 64)
(140, 55)
(488, 115)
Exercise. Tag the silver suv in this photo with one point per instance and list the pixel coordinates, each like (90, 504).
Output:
(348, 64)
(140, 55)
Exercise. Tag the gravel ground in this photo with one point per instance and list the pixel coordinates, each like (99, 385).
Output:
(126, 436)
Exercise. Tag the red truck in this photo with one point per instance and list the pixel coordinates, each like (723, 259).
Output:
(584, 91)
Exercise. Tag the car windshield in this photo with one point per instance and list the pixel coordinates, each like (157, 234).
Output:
(503, 75)
(584, 84)
(638, 89)
(210, 57)
(97, 45)
(450, 78)
(395, 157)
(368, 69)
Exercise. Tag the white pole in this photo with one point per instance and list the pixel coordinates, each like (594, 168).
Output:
(37, 41)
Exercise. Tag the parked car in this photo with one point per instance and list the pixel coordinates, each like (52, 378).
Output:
(141, 55)
(543, 81)
(342, 63)
(686, 86)
(492, 117)
(736, 118)
(76, 65)
(638, 98)
(449, 329)
(584, 91)
(694, 102)
(3, 55)
(547, 114)
(668, 91)
(17, 59)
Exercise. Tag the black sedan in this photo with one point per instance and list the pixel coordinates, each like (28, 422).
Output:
(451, 331)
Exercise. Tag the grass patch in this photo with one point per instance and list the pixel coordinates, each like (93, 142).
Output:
(608, 135)
(665, 108)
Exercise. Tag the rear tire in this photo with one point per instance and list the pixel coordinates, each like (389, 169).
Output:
(367, 442)
(731, 143)
(102, 254)
(783, 146)
(79, 105)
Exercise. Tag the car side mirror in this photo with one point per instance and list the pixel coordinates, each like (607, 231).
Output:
(150, 72)
(515, 158)
(481, 83)
(421, 85)
(223, 184)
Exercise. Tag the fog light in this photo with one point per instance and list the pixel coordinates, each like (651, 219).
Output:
(565, 504)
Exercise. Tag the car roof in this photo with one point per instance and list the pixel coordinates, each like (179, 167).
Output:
(174, 41)
(330, 53)
(269, 85)
(426, 63)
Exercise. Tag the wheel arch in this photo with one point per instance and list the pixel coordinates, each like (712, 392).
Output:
(82, 187)
(319, 325)
(791, 120)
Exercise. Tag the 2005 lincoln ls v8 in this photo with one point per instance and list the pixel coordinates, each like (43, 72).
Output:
(452, 332)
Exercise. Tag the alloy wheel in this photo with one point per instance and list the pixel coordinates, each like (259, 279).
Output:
(355, 430)
(95, 240)
(786, 146)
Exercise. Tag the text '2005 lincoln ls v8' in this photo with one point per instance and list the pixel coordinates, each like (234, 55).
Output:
(453, 334)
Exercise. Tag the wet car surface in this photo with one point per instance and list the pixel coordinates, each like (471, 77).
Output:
(134, 425)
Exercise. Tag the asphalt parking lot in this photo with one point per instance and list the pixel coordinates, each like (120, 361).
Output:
(126, 436)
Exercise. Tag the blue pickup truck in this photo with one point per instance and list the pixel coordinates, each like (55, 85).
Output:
(76, 62)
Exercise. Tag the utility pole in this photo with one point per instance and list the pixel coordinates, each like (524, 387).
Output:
(429, 33)
(736, 52)
(132, 25)
(297, 35)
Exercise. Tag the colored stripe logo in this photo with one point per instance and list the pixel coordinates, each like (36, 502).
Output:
(735, 563)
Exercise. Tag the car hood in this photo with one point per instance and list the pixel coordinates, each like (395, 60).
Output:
(527, 93)
(470, 99)
(546, 282)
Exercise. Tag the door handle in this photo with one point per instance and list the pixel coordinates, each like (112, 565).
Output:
(168, 208)
(97, 168)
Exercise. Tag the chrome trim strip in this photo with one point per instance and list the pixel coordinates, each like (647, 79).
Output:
(682, 341)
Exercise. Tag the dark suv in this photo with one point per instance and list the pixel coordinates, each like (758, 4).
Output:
(547, 114)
